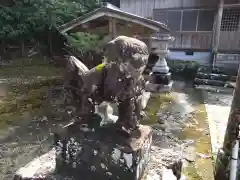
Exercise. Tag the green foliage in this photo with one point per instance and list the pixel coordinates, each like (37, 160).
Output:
(85, 41)
(179, 65)
(25, 18)
(187, 69)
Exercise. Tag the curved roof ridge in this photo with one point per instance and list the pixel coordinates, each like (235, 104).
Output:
(110, 10)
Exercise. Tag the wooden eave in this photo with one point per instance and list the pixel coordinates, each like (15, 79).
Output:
(113, 13)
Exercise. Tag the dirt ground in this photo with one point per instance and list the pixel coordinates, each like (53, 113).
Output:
(25, 130)
(178, 120)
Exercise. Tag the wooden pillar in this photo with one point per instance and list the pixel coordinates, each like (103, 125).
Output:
(218, 25)
(231, 132)
(113, 27)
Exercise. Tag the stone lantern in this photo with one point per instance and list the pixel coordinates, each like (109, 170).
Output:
(160, 75)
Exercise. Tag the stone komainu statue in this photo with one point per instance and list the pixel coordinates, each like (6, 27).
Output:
(119, 80)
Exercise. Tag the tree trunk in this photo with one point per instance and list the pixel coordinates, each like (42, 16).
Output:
(22, 48)
(50, 42)
(3, 47)
(223, 159)
(217, 30)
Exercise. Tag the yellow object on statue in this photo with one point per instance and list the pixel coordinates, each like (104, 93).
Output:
(100, 67)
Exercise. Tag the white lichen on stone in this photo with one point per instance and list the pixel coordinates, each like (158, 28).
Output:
(93, 168)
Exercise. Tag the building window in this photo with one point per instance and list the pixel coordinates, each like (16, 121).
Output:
(174, 20)
(230, 20)
(189, 20)
(186, 19)
(205, 20)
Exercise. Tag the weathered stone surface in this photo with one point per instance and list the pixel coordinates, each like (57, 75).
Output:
(103, 153)
(190, 154)
(212, 76)
(162, 78)
(107, 157)
(39, 168)
(159, 88)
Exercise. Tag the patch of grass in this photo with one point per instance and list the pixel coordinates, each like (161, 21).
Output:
(30, 71)
(36, 60)
(203, 167)
(187, 69)
(8, 119)
(18, 103)
(22, 99)
(191, 173)
(154, 104)
(29, 67)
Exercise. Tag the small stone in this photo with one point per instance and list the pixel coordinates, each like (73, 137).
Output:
(103, 166)
(95, 152)
(74, 164)
(44, 118)
(205, 156)
(121, 161)
(161, 121)
(109, 173)
(93, 168)
(189, 154)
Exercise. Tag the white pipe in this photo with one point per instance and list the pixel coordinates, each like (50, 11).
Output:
(234, 161)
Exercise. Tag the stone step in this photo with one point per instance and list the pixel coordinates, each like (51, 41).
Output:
(218, 89)
(211, 82)
(158, 88)
(209, 70)
(213, 76)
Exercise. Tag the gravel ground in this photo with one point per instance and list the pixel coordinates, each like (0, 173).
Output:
(168, 146)
(23, 139)
(20, 143)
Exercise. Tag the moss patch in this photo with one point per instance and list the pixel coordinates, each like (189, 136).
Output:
(194, 128)
(199, 132)
(18, 102)
(155, 103)
(27, 94)
(29, 71)
(30, 67)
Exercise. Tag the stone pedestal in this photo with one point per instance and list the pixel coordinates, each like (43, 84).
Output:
(84, 154)
(162, 78)
(160, 72)
(102, 154)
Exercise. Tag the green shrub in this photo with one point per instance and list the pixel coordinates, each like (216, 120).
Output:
(83, 42)
(187, 69)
